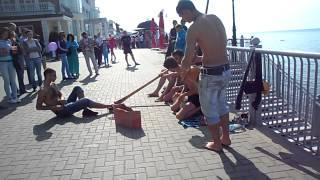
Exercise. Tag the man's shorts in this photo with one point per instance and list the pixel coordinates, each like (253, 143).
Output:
(194, 99)
(127, 50)
(212, 95)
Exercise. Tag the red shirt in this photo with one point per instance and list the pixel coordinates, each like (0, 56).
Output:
(112, 42)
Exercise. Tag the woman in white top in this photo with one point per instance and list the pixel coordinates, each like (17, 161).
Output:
(32, 50)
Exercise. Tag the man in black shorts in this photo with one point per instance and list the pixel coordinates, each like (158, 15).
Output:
(126, 46)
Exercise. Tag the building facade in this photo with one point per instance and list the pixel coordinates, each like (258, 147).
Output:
(47, 16)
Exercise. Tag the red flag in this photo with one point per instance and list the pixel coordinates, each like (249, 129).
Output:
(161, 31)
(153, 33)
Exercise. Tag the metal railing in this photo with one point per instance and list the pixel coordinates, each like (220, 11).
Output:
(291, 108)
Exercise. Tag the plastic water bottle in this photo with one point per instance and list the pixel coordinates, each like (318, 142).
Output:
(236, 128)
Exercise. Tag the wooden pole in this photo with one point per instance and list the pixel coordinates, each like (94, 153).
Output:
(135, 91)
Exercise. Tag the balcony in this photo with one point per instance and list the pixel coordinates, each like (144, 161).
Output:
(27, 9)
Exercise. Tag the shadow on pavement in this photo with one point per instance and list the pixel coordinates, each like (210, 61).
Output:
(233, 170)
(242, 168)
(132, 68)
(198, 141)
(297, 158)
(68, 82)
(41, 130)
(7, 108)
(130, 133)
(88, 80)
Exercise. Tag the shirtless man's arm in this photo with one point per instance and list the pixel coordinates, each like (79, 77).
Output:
(190, 46)
(40, 102)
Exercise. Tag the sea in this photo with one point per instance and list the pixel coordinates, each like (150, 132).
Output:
(306, 40)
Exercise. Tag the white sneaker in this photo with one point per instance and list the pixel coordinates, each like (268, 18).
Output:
(14, 101)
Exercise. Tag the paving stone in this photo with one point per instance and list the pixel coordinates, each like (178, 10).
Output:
(36, 145)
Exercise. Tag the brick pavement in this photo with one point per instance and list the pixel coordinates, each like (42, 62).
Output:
(36, 145)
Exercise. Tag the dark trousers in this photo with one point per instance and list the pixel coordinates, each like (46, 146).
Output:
(98, 54)
(170, 49)
(75, 103)
(19, 66)
(28, 70)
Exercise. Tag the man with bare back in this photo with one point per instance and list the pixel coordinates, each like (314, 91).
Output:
(209, 33)
(54, 100)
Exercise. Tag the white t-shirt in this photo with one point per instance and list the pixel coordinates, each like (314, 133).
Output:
(32, 44)
(99, 41)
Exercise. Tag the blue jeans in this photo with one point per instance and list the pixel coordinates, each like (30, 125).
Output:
(65, 66)
(212, 95)
(74, 103)
(35, 65)
(106, 58)
(8, 74)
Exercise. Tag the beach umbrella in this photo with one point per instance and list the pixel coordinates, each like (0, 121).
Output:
(146, 25)
(161, 31)
(153, 33)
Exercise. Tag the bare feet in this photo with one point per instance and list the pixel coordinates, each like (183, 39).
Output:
(214, 147)
(226, 141)
(159, 99)
(153, 95)
(109, 107)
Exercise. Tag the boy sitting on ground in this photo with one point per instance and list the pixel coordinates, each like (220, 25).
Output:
(166, 75)
(192, 106)
(54, 100)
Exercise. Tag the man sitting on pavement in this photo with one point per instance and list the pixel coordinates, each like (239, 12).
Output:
(192, 106)
(54, 100)
(171, 77)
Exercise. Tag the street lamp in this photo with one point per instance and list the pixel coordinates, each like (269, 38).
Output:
(234, 36)
(207, 6)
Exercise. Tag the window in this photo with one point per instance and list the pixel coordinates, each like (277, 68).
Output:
(8, 5)
(29, 1)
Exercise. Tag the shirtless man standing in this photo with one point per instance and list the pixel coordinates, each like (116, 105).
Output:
(209, 33)
(54, 101)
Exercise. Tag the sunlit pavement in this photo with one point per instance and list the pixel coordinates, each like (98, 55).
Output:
(36, 145)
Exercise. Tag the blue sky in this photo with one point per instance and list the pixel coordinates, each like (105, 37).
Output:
(251, 15)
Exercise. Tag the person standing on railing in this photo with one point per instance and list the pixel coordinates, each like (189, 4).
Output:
(209, 33)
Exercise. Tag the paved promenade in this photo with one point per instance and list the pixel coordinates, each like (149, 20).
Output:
(36, 145)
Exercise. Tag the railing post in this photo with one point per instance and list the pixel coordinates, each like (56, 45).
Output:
(315, 124)
(255, 114)
(278, 81)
